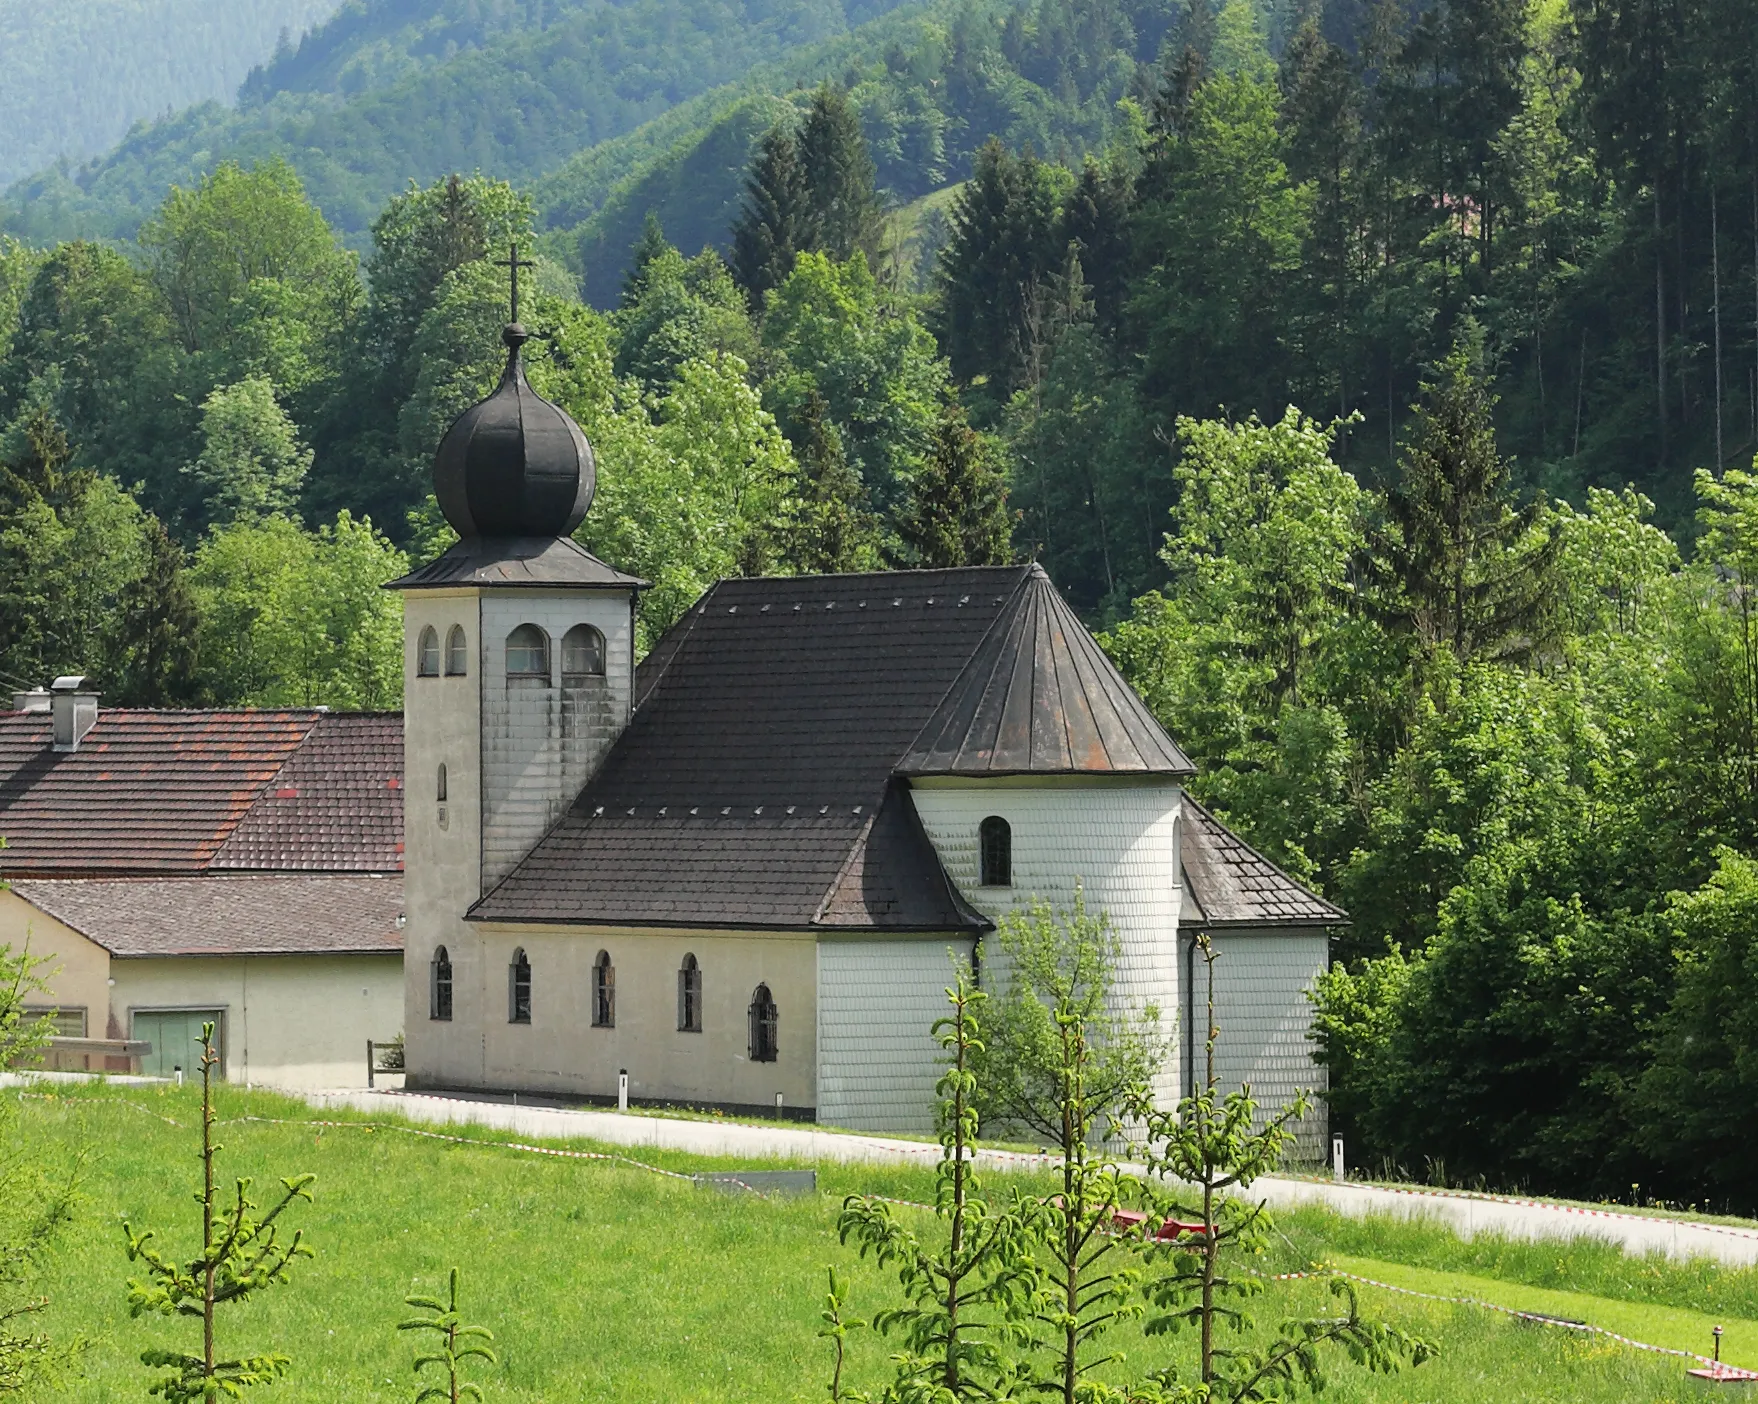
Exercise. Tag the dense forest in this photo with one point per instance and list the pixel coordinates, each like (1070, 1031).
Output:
(79, 75)
(1378, 382)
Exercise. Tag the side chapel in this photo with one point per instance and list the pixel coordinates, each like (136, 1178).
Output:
(736, 870)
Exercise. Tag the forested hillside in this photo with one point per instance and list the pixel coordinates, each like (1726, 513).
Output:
(394, 90)
(79, 75)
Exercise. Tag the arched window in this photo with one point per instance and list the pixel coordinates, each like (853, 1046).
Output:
(995, 839)
(457, 653)
(427, 654)
(604, 992)
(519, 989)
(440, 986)
(582, 655)
(763, 1026)
(689, 996)
(528, 653)
(440, 787)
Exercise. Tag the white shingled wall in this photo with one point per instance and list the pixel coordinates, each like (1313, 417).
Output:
(1263, 1015)
(541, 744)
(1117, 838)
(877, 1003)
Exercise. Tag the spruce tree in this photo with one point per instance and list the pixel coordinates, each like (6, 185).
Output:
(957, 512)
(651, 246)
(158, 629)
(832, 531)
(457, 1344)
(1457, 566)
(775, 222)
(843, 207)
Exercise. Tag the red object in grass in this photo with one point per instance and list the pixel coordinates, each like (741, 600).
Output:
(1170, 1231)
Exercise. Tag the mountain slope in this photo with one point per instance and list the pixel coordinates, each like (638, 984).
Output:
(80, 72)
(513, 103)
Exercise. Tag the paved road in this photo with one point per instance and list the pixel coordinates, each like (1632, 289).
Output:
(1466, 1214)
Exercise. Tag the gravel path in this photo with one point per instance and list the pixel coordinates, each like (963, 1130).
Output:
(1467, 1214)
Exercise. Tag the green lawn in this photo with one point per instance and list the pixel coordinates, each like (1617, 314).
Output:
(606, 1282)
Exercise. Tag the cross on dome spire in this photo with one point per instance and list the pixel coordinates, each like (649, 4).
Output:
(513, 263)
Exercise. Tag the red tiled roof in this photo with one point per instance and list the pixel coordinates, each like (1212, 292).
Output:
(336, 806)
(163, 792)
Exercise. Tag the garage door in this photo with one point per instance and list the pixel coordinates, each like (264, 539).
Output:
(176, 1038)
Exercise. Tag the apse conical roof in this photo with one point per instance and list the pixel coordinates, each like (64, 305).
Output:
(514, 465)
(1039, 696)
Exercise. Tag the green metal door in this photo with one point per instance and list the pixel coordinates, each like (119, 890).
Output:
(176, 1038)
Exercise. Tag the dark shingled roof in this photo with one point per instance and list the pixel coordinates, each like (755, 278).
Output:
(1227, 882)
(506, 562)
(183, 792)
(770, 724)
(336, 806)
(299, 915)
(1040, 697)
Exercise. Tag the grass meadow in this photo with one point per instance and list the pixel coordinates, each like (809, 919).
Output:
(606, 1282)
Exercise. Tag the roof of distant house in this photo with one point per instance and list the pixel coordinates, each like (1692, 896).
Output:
(184, 792)
(759, 782)
(1228, 883)
(302, 914)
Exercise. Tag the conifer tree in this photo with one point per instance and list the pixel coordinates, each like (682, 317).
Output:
(240, 1255)
(650, 247)
(843, 207)
(457, 1344)
(957, 512)
(775, 221)
(832, 531)
(158, 630)
(1459, 568)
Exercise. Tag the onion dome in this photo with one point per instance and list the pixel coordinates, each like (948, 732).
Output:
(514, 464)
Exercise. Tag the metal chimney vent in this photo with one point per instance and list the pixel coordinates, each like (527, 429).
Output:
(74, 711)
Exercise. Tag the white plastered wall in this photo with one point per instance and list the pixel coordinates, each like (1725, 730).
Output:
(561, 1051)
(1117, 838)
(1261, 1010)
(878, 1000)
(290, 1021)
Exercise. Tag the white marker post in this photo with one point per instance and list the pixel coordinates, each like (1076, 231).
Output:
(1337, 1172)
(623, 1090)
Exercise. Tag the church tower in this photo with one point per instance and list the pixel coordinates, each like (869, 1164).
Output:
(518, 674)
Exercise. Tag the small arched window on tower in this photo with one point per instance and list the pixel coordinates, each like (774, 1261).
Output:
(440, 986)
(995, 842)
(427, 654)
(582, 655)
(764, 1021)
(689, 996)
(528, 654)
(457, 652)
(519, 988)
(604, 992)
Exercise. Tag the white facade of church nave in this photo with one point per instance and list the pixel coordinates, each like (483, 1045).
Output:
(854, 1011)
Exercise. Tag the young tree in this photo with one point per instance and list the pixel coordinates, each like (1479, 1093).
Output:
(1217, 1147)
(775, 222)
(1061, 1061)
(240, 1255)
(969, 1298)
(1458, 567)
(957, 510)
(457, 1344)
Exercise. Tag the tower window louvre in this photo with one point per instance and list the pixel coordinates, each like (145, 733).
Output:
(457, 652)
(427, 657)
(528, 653)
(582, 655)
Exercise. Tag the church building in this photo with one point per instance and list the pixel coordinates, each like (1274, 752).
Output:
(738, 870)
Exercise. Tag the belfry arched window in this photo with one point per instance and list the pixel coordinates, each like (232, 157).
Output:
(995, 845)
(582, 655)
(764, 1026)
(604, 992)
(689, 996)
(427, 654)
(440, 985)
(457, 652)
(528, 653)
(519, 988)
